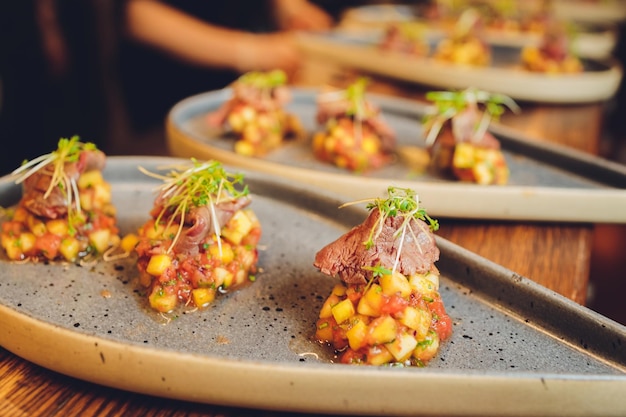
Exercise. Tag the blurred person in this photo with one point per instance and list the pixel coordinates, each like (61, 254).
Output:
(173, 49)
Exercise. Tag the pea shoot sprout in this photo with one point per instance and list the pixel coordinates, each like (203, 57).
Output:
(53, 164)
(402, 202)
(200, 185)
(448, 104)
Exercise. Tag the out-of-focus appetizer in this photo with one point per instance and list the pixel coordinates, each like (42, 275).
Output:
(201, 238)
(554, 55)
(65, 212)
(465, 45)
(255, 113)
(355, 135)
(457, 137)
(387, 309)
(405, 37)
(507, 17)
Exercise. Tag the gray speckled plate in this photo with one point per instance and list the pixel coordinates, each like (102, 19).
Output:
(517, 348)
(547, 181)
(598, 81)
(593, 39)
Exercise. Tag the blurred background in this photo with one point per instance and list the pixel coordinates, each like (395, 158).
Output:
(80, 67)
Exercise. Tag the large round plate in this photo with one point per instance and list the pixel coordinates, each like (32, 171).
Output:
(536, 190)
(599, 80)
(513, 340)
(594, 39)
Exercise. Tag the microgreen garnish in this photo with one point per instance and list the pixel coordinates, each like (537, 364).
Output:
(357, 107)
(402, 202)
(202, 184)
(378, 270)
(448, 104)
(355, 94)
(68, 151)
(264, 80)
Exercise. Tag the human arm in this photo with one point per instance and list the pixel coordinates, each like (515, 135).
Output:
(197, 42)
(301, 15)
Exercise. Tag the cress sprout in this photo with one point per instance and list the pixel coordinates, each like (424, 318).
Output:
(202, 184)
(68, 151)
(448, 104)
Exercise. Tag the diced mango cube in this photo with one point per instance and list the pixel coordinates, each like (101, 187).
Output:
(370, 145)
(158, 264)
(102, 194)
(371, 302)
(69, 248)
(417, 319)
(382, 330)
(222, 277)
(223, 252)
(237, 227)
(12, 247)
(427, 348)
(162, 301)
(342, 311)
(395, 283)
(424, 284)
(402, 347)
(357, 335)
(339, 290)
(203, 296)
(100, 239)
(324, 330)
(463, 155)
(36, 226)
(129, 242)
(90, 179)
(326, 310)
(57, 227)
(379, 355)
(27, 242)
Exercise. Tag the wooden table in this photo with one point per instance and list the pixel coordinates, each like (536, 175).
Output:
(554, 255)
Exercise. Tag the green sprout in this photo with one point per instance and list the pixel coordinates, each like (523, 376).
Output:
(68, 151)
(378, 270)
(448, 104)
(264, 80)
(202, 184)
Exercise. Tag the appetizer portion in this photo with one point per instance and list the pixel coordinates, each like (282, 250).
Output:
(465, 45)
(405, 37)
(201, 239)
(354, 136)
(554, 55)
(255, 113)
(457, 137)
(387, 309)
(65, 212)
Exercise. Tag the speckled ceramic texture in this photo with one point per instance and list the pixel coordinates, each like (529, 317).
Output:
(504, 325)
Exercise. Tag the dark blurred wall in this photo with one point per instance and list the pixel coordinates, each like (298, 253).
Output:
(48, 92)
